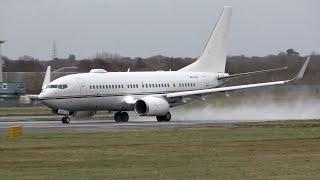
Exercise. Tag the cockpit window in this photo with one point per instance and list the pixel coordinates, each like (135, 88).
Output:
(60, 86)
(52, 86)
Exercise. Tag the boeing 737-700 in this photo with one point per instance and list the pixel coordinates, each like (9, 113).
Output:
(148, 93)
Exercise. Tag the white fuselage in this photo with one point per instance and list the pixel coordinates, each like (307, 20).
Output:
(114, 90)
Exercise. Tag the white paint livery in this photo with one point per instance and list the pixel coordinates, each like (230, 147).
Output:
(148, 93)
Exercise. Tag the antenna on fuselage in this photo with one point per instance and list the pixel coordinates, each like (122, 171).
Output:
(128, 70)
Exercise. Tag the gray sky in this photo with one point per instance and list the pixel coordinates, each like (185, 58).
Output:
(145, 28)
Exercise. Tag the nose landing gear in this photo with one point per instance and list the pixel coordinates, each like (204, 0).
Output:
(65, 120)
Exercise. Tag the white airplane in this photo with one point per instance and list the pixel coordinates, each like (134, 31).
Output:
(148, 93)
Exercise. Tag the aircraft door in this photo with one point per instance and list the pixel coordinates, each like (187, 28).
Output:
(83, 88)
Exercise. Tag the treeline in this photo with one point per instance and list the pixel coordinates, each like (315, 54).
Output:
(235, 64)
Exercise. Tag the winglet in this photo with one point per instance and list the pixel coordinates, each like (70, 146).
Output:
(47, 78)
(303, 69)
(301, 72)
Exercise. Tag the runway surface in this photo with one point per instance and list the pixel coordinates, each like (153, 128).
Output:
(53, 124)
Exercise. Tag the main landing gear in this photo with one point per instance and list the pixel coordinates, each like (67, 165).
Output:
(65, 120)
(121, 117)
(166, 117)
(124, 117)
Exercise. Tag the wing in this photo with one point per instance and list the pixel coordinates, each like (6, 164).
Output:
(231, 88)
(252, 73)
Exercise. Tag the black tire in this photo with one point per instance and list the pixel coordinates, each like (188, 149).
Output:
(167, 117)
(63, 120)
(117, 117)
(67, 120)
(124, 117)
(160, 118)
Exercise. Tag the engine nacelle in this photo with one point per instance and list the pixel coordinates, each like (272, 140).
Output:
(151, 106)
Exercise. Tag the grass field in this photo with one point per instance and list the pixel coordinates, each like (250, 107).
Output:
(272, 150)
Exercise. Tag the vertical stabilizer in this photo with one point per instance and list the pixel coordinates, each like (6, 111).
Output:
(47, 77)
(214, 56)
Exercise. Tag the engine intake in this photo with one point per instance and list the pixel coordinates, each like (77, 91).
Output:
(151, 106)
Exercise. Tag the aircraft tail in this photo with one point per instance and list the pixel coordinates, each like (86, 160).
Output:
(214, 56)
(47, 77)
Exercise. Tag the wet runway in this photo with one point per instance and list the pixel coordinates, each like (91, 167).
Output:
(53, 124)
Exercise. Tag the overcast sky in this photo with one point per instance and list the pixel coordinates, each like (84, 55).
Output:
(145, 28)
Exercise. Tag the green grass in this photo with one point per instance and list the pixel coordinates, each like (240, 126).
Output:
(25, 111)
(273, 150)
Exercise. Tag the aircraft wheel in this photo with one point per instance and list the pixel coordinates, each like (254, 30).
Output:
(160, 118)
(65, 120)
(166, 117)
(124, 117)
(117, 116)
(121, 117)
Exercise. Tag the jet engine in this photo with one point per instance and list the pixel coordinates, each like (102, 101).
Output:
(151, 106)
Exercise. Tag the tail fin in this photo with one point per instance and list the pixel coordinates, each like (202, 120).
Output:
(47, 77)
(214, 56)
